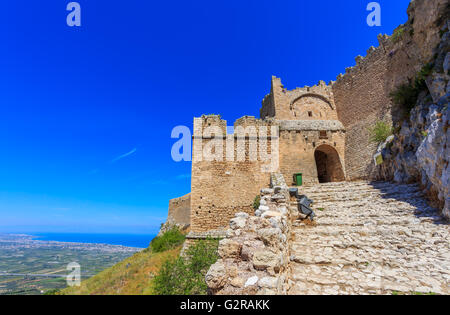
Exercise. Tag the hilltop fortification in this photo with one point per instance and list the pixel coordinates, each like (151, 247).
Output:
(322, 131)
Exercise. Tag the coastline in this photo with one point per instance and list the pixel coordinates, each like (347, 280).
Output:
(132, 241)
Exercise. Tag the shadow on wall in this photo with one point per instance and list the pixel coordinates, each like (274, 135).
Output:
(413, 196)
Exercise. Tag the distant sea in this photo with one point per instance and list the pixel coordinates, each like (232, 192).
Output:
(129, 240)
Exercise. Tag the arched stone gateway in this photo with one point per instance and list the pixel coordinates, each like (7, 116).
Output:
(328, 163)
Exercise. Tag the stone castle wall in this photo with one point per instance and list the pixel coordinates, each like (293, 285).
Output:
(362, 94)
(255, 255)
(315, 123)
(223, 187)
(298, 144)
(307, 103)
(179, 214)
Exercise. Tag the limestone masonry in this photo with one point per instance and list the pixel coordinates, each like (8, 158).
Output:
(322, 131)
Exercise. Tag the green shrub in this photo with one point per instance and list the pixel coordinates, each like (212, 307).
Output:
(186, 275)
(398, 34)
(256, 202)
(406, 94)
(380, 132)
(167, 241)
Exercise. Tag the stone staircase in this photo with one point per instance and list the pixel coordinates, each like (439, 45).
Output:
(370, 238)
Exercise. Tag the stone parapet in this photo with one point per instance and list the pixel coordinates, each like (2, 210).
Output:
(254, 256)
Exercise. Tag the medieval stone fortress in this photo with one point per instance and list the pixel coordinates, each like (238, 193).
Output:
(381, 226)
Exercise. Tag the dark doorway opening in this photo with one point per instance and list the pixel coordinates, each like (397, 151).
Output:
(321, 163)
(329, 168)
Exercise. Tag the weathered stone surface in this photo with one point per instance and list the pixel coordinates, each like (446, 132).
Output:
(270, 237)
(255, 258)
(437, 85)
(242, 215)
(370, 239)
(265, 259)
(229, 249)
(216, 276)
(251, 281)
(271, 214)
(446, 64)
(179, 214)
(268, 282)
(249, 248)
(238, 223)
(237, 282)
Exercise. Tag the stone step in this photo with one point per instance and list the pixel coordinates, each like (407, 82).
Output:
(365, 211)
(391, 255)
(372, 218)
(370, 238)
(355, 188)
(362, 194)
(364, 279)
(366, 196)
(366, 222)
(420, 231)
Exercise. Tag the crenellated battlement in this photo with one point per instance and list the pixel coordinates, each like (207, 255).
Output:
(305, 103)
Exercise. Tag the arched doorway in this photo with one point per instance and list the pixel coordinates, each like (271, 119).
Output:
(329, 167)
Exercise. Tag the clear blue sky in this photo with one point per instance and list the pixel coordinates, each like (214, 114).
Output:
(86, 113)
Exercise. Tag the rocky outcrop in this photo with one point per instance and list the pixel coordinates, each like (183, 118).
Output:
(179, 214)
(254, 257)
(420, 149)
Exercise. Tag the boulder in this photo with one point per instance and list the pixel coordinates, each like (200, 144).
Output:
(271, 214)
(216, 276)
(268, 282)
(238, 223)
(264, 259)
(251, 281)
(229, 249)
(270, 237)
(237, 282)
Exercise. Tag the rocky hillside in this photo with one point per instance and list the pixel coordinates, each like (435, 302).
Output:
(419, 150)
(130, 277)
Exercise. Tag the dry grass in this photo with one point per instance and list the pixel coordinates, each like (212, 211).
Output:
(130, 277)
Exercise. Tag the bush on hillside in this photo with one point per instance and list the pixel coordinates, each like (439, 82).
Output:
(398, 34)
(406, 95)
(169, 240)
(380, 132)
(186, 275)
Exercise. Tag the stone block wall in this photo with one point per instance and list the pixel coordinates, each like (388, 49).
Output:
(223, 187)
(307, 103)
(254, 257)
(299, 142)
(362, 94)
(179, 214)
